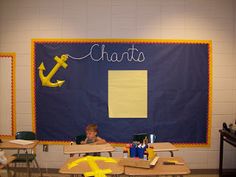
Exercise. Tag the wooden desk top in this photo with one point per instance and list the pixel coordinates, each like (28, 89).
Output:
(84, 167)
(160, 168)
(88, 148)
(9, 145)
(163, 147)
(9, 160)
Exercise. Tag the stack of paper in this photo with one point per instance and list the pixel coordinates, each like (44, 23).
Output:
(21, 142)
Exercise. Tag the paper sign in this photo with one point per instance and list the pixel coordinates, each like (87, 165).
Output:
(127, 93)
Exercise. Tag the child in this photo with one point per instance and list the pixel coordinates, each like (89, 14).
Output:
(91, 135)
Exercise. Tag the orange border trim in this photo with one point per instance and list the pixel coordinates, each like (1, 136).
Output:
(209, 93)
(13, 93)
(145, 41)
(33, 86)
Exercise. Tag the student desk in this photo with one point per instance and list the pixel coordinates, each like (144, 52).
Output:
(83, 167)
(9, 160)
(160, 169)
(225, 136)
(9, 145)
(14, 146)
(88, 148)
(164, 147)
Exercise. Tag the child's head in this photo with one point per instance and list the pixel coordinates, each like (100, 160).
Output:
(91, 131)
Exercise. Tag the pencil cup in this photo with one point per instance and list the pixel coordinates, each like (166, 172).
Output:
(133, 152)
(140, 152)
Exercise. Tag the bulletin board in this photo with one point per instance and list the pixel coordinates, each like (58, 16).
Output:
(7, 95)
(125, 86)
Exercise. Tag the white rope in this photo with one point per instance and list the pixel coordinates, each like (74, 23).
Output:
(112, 56)
(77, 58)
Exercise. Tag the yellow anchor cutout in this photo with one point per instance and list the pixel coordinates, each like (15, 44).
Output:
(46, 80)
(96, 171)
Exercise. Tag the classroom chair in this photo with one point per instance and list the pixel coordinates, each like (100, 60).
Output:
(139, 137)
(80, 138)
(22, 157)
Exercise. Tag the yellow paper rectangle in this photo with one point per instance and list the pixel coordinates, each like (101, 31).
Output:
(127, 93)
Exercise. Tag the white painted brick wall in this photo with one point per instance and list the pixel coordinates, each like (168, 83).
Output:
(161, 19)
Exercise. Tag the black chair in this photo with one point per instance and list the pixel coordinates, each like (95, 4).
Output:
(140, 137)
(80, 138)
(26, 157)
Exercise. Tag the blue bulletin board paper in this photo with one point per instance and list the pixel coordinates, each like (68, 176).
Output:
(70, 89)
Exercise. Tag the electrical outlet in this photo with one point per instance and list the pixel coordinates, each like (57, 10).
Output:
(45, 148)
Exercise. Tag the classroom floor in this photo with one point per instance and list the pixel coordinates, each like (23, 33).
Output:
(4, 174)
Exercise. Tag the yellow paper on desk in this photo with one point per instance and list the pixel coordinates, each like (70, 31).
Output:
(151, 153)
(95, 170)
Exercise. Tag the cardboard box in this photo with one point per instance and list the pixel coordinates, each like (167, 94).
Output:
(139, 163)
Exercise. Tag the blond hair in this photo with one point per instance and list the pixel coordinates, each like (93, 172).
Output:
(92, 128)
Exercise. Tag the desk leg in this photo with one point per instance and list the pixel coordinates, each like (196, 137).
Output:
(110, 154)
(221, 155)
(8, 171)
(71, 155)
(171, 153)
(28, 164)
(14, 175)
(41, 174)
